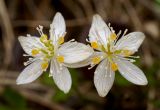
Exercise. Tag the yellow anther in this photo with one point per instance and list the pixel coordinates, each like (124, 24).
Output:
(44, 38)
(96, 60)
(127, 53)
(94, 45)
(114, 66)
(60, 40)
(113, 36)
(35, 52)
(60, 59)
(44, 65)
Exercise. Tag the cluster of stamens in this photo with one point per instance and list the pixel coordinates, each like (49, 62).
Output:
(110, 50)
(47, 52)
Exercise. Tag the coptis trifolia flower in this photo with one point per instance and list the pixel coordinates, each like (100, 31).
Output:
(114, 54)
(53, 51)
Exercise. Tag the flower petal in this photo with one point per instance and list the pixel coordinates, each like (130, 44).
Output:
(78, 65)
(85, 62)
(61, 76)
(74, 52)
(30, 73)
(57, 28)
(131, 41)
(103, 78)
(131, 72)
(99, 31)
(29, 43)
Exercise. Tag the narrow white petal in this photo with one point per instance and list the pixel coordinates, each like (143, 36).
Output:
(75, 52)
(103, 78)
(30, 73)
(58, 27)
(99, 30)
(131, 72)
(131, 41)
(29, 43)
(61, 76)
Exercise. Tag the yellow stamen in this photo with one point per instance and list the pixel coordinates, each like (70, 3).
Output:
(114, 66)
(60, 40)
(35, 52)
(113, 36)
(94, 45)
(127, 53)
(60, 59)
(44, 38)
(44, 65)
(96, 60)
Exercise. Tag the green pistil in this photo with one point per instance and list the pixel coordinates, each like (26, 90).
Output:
(109, 53)
(103, 48)
(49, 52)
(44, 51)
(117, 51)
(108, 47)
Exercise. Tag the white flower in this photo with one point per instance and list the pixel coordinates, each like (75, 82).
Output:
(113, 54)
(53, 51)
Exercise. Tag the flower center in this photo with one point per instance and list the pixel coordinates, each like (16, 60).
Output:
(47, 51)
(110, 51)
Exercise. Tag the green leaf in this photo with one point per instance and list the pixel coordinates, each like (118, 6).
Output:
(158, 2)
(14, 99)
(120, 80)
(60, 96)
(156, 103)
(45, 79)
(2, 107)
(151, 73)
(75, 76)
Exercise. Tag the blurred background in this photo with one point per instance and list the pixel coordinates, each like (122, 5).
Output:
(21, 17)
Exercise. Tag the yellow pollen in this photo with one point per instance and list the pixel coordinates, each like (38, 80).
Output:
(35, 52)
(114, 66)
(113, 36)
(44, 38)
(44, 65)
(94, 45)
(60, 40)
(60, 59)
(127, 52)
(96, 60)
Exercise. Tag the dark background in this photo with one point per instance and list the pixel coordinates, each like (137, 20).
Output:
(21, 17)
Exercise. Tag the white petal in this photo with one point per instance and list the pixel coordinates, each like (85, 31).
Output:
(30, 73)
(29, 43)
(85, 62)
(103, 78)
(131, 72)
(57, 28)
(99, 31)
(61, 76)
(75, 52)
(131, 41)
(79, 64)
